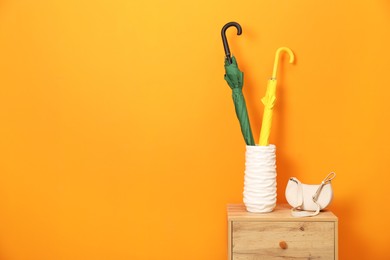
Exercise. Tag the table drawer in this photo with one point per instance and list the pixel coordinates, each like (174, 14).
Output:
(283, 240)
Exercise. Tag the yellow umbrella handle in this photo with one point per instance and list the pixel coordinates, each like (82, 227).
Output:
(277, 57)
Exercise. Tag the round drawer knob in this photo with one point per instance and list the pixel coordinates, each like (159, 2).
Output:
(283, 244)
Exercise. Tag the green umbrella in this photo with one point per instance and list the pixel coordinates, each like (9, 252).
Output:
(235, 79)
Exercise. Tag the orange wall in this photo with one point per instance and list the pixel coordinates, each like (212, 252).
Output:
(118, 136)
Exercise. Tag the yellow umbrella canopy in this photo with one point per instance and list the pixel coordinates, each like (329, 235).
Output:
(270, 98)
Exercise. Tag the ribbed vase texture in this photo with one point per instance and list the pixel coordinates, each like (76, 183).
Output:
(260, 178)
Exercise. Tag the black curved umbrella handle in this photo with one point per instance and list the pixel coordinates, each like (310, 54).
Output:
(224, 40)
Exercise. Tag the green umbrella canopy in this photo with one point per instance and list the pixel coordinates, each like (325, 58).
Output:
(235, 79)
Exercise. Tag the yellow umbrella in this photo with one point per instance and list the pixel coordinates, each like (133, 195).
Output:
(270, 97)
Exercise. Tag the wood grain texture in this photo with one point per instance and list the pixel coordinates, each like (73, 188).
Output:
(306, 240)
(277, 235)
(237, 212)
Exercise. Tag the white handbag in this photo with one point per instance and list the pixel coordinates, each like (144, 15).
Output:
(307, 199)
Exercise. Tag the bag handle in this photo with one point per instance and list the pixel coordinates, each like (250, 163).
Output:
(325, 181)
(296, 212)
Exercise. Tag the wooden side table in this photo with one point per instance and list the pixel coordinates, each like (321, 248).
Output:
(278, 235)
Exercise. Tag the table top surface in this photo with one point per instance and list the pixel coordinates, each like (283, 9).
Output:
(282, 212)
